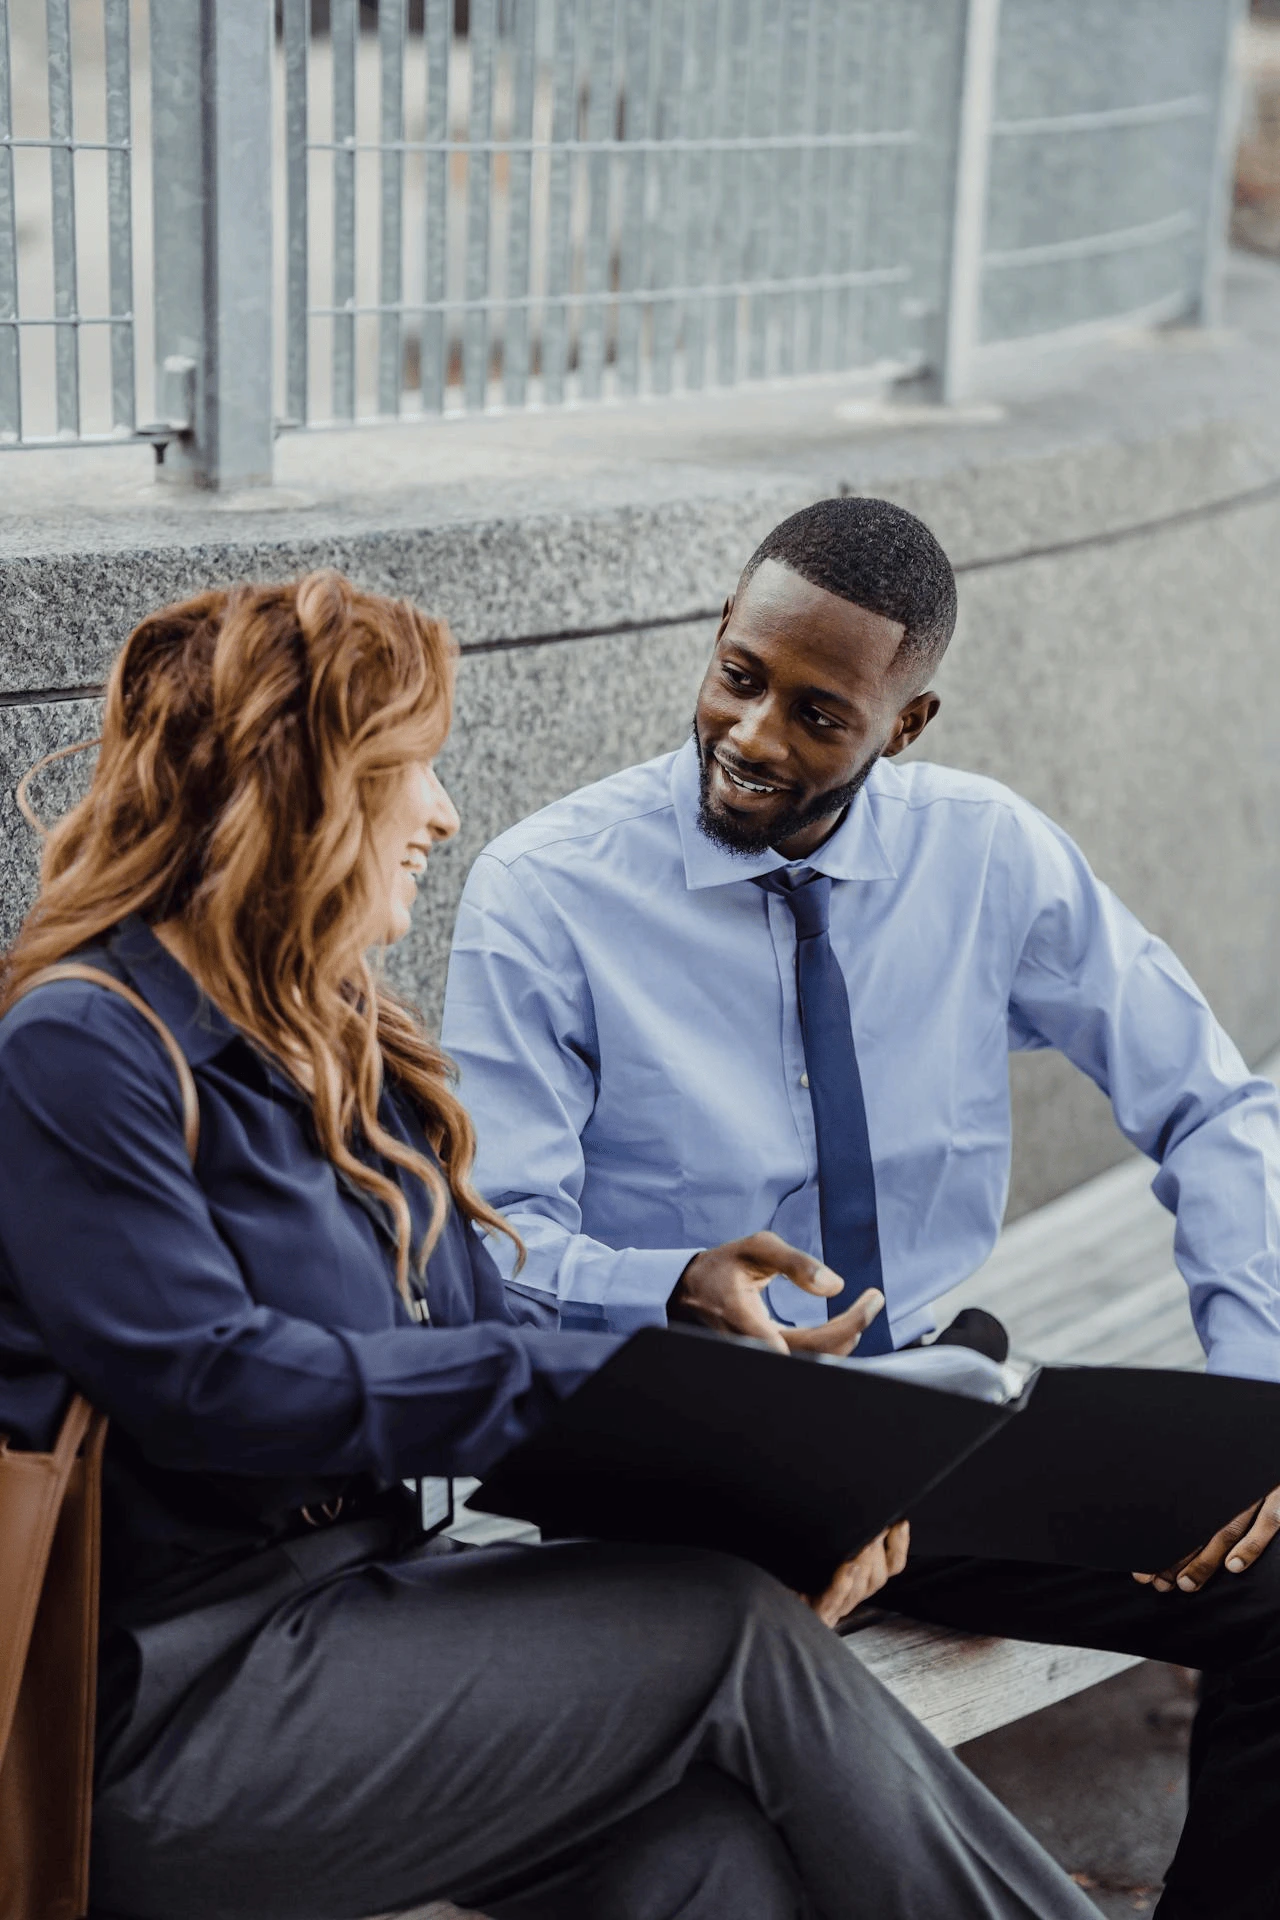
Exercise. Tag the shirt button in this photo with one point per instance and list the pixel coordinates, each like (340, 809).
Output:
(804, 1079)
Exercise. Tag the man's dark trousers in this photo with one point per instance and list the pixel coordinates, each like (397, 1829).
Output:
(1227, 1866)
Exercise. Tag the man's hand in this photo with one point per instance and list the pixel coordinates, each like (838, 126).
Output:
(856, 1580)
(1237, 1545)
(841, 1335)
(724, 1288)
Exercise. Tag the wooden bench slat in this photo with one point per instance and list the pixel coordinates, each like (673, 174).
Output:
(961, 1686)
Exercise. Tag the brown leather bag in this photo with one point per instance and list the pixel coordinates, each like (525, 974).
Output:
(50, 1528)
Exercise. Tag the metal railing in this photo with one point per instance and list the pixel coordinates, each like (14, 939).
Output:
(606, 199)
(59, 142)
(544, 202)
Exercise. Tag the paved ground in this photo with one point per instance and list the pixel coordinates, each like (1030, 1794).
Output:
(1099, 1780)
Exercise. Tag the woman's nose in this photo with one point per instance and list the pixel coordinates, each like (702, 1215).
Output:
(443, 820)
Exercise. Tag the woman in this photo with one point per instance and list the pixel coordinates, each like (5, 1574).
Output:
(305, 1708)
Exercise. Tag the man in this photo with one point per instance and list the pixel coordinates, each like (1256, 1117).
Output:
(771, 981)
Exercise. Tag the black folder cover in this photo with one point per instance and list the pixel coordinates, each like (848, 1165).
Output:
(1114, 1467)
(686, 1438)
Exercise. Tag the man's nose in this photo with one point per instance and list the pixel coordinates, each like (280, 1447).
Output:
(758, 734)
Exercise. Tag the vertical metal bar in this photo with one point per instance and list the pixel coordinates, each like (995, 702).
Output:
(211, 168)
(731, 68)
(835, 33)
(180, 217)
(595, 255)
(515, 327)
(344, 39)
(810, 250)
(698, 79)
(239, 426)
(774, 261)
(637, 125)
(666, 313)
(762, 67)
(1207, 302)
(856, 176)
(886, 326)
(481, 33)
(434, 349)
(819, 184)
(296, 27)
(962, 319)
(797, 101)
(921, 239)
(559, 190)
(115, 24)
(391, 34)
(62, 186)
(10, 350)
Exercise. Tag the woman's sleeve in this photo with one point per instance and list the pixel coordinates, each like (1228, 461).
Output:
(111, 1249)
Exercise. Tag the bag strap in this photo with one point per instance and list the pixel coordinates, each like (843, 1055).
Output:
(80, 1422)
(99, 977)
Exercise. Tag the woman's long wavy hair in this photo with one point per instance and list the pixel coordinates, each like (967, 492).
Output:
(251, 740)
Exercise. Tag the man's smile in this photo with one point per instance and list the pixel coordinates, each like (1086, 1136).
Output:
(743, 784)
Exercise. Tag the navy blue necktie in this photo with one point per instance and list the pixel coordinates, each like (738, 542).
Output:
(846, 1177)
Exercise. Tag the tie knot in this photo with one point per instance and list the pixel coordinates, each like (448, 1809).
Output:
(808, 894)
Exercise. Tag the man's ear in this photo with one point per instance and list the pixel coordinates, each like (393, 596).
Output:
(725, 614)
(911, 722)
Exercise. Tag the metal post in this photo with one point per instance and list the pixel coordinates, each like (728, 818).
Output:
(10, 353)
(961, 319)
(434, 333)
(481, 34)
(1207, 306)
(211, 108)
(344, 48)
(296, 29)
(62, 184)
(115, 22)
(391, 38)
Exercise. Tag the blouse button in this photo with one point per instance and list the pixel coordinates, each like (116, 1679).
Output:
(804, 1079)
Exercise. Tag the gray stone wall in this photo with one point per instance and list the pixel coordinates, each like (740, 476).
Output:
(1116, 657)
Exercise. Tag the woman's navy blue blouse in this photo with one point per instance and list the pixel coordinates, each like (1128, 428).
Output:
(239, 1323)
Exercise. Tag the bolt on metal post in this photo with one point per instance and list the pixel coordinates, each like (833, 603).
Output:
(211, 105)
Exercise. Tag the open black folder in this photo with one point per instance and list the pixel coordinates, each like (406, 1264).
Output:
(683, 1438)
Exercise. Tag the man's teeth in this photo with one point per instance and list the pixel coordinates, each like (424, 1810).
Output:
(748, 786)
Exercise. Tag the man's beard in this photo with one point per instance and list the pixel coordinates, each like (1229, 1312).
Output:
(747, 838)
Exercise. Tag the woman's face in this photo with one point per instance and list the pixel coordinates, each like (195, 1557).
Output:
(419, 813)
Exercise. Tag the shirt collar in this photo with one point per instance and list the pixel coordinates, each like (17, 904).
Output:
(196, 1024)
(855, 850)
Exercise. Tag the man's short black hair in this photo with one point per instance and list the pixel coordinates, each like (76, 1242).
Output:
(880, 557)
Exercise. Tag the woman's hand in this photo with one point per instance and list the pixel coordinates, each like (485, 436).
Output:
(858, 1579)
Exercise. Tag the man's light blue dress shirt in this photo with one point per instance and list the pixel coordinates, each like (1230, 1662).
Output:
(622, 1004)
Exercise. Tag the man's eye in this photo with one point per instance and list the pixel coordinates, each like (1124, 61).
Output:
(817, 718)
(737, 678)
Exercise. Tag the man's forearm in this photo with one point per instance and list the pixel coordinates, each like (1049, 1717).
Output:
(1222, 1180)
(590, 1284)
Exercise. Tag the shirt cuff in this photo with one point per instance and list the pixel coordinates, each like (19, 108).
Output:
(1246, 1359)
(640, 1283)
